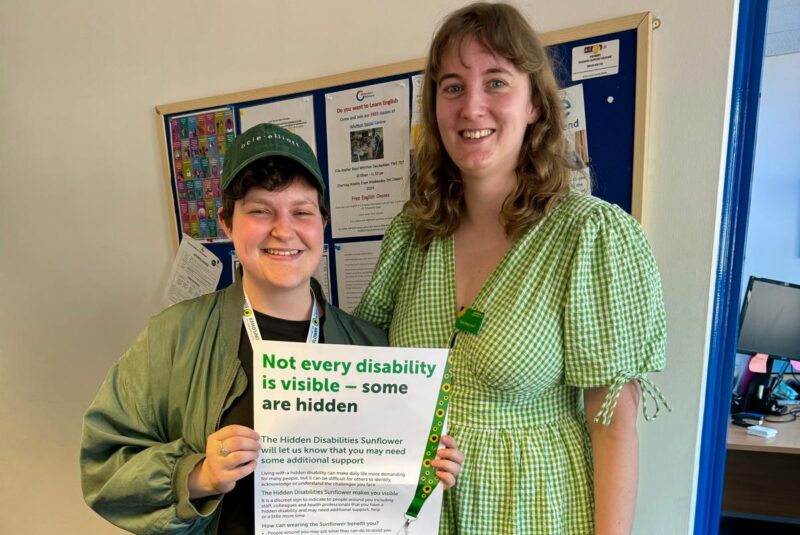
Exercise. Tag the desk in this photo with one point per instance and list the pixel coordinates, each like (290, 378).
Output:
(762, 475)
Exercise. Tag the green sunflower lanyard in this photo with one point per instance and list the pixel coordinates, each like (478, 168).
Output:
(470, 321)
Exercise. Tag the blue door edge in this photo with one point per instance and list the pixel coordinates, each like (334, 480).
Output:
(748, 65)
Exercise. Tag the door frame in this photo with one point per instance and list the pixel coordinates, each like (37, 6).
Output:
(748, 66)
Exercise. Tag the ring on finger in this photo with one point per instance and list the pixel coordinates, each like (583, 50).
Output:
(223, 450)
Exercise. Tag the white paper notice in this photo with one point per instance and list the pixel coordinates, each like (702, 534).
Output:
(343, 435)
(195, 271)
(577, 139)
(416, 108)
(595, 60)
(296, 115)
(235, 265)
(354, 265)
(416, 126)
(367, 157)
(323, 273)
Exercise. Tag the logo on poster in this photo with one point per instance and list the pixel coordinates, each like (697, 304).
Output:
(594, 50)
(361, 95)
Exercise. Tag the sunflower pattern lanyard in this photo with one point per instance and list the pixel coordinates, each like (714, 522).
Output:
(470, 321)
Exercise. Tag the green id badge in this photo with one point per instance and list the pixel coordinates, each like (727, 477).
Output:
(469, 320)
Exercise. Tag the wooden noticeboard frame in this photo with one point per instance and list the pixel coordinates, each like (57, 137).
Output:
(621, 180)
(642, 23)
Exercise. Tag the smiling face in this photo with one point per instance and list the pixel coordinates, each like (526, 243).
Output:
(278, 236)
(483, 107)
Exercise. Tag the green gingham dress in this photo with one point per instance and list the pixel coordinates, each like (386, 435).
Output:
(575, 303)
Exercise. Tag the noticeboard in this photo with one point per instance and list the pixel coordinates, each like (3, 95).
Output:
(360, 125)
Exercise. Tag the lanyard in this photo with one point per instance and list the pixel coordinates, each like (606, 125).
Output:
(427, 476)
(468, 320)
(251, 325)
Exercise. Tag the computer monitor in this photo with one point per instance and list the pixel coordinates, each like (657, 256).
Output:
(770, 321)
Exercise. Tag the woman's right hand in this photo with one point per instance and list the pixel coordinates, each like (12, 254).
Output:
(231, 454)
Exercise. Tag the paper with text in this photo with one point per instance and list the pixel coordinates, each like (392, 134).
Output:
(344, 430)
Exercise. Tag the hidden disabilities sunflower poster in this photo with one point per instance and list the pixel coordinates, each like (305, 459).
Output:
(347, 437)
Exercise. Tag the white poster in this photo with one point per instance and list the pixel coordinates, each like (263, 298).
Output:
(368, 153)
(577, 137)
(195, 271)
(323, 273)
(595, 60)
(416, 108)
(355, 263)
(345, 431)
(416, 126)
(296, 115)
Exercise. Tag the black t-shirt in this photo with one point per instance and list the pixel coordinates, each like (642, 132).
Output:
(238, 507)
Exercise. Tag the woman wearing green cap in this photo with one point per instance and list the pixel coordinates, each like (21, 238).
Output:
(168, 444)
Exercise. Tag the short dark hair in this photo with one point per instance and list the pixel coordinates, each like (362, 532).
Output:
(273, 174)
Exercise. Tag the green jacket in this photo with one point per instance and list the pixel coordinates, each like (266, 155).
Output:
(147, 427)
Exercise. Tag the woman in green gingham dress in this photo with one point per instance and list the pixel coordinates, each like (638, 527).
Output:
(545, 394)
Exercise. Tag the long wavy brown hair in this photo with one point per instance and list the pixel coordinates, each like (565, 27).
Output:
(542, 169)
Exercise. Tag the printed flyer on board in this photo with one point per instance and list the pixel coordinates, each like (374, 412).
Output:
(575, 132)
(294, 114)
(347, 434)
(368, 154)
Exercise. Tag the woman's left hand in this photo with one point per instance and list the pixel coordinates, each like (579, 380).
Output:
(448, 462)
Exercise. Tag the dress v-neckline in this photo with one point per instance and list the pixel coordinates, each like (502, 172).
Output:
(451, 274)
(450, 264)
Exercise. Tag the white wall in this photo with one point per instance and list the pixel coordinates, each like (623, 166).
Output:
(773, 228)
(85, 224)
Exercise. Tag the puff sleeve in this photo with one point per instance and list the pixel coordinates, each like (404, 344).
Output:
(614, 321)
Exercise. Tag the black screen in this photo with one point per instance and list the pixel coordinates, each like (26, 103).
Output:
(771, 319)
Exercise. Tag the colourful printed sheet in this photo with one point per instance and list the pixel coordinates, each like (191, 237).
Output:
(199, 142)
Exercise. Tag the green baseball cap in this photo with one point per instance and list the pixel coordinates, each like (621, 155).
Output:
(265, 140)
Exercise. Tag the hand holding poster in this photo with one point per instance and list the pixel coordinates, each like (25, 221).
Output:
(347, 437)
